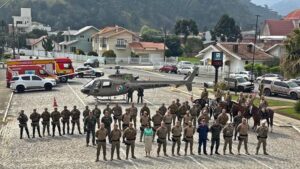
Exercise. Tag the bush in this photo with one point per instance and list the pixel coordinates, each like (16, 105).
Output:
(7, 56)
(92, 53)
(297, 106)
(79, 52)
(109, 53)
(275, 69)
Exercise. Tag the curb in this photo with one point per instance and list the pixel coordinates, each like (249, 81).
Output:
(7, 107)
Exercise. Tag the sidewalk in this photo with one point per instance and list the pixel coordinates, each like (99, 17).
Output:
(5, 93)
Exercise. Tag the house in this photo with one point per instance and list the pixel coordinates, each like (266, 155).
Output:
(235, 55)
(276, 50)
(37, 44)
(81, 39)
(148, 51)
(114, 38)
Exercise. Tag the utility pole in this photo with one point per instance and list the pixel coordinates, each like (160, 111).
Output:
(255, 39)
(165, 37)
(13, 41)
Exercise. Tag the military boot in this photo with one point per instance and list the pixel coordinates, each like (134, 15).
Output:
(256, 151)
(97, 159)
(119, 157)
(104, 158)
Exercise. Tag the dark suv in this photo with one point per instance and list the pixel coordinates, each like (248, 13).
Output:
(93, 62)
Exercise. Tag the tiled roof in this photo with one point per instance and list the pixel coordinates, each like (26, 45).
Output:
(147, 46)
(31, 42)
(295, 15)
(85, 29)
(280, 27)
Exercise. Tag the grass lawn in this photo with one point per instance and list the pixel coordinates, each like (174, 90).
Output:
(290, 112)
(191, 59)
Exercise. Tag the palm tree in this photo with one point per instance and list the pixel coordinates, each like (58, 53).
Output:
(291, 61)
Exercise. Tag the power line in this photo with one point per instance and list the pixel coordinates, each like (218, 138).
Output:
(4, 3)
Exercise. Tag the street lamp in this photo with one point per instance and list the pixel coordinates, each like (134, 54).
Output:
(255, 39)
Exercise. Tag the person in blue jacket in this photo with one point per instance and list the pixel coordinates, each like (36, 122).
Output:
(203, 131)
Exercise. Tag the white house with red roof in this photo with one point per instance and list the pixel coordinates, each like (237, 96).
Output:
(37, 44)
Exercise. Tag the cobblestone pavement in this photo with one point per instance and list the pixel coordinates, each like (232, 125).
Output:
(71, 152)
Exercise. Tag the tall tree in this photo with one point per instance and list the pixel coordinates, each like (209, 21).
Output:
(227, 30)
(174, 46)
(291, 62)
(48, 45)
(151, 35)
(186, 27)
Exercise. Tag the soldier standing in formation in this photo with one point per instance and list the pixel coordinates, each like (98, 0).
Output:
(35, 123)
(115, 142)
(145, 121)
(181, 112)
(97, 113)
(107, 120)
(23, 119)
(236, 121)
(162, 109)
(117, 112)
(46, 121)
(129, 137)
(126, 119)
(140, 95)
(101, 135)
(176, 137)
(75, 114)
(203, 131)
(133, 113)
(167, 119)
(162, 139)
(89, 125)
(66, 114)
(262, 135)
(227, 135)
(186, 119)
(194, 113)
(173, 109)
(204, 116)
(223, 118)
(55, 115)
(108, 109)
(188, 136)
(242, 129)
(215, 129)
(145, 108)
(85, 114)
(156, 119)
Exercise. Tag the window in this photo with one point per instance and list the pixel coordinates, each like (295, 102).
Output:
(73, 49)
(15, 78)
(266, 81)
(106, 84)
(65, 46)
(67, 65)
(88, 39)
(81, 36)
(26, 78)
(43, 72)
(281, 84)
(18, 22)
(36, 78)
(30, 72)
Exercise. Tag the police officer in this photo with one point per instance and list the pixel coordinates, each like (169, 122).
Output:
(156, 119)
(263, 103)
(227, 135)
(75, 114)
(167, 119)
(203, 131)
(46, 121)
(108, 109)
(107, 120)
(228, 100)
(236, 121)
(162, 109)
(162, 139)
(140, 95)
(186, 119)
(23, 119)
(145, 120)
(133, 113)
(89, 125)
(241, 99)
(85, 114)
(115, 139)
(262, 135)
(101, 135)
(66, 114)
(97, 113)
(126, 119)
(204, 94)
(242, 129)
(181, 112)
(204, 116)
(145, 108)
(188, 107)
(215, 136)
(173, 109)
(117, 112)
(194, 113)
(218, 95)
(35, 123)
(189, 137)
(129, 95)
(223, 118)
(55, 115)
(176, 137)
(129, 137)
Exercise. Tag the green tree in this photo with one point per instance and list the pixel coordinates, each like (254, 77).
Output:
(186, 27)
(109, 53)
(79, 52)
(174, 46)
(36, 33)
(58, 37)
(193, 46)
(92, 53)
(151, 35)
(227, 30)
(47, 45)
(291, 62)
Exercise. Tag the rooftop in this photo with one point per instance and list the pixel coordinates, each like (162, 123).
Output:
(280, 27)
(295, 15)
(147, 46)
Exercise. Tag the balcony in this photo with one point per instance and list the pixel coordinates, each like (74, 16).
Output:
(120, 46)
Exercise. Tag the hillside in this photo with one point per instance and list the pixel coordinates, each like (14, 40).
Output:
(135, 13)
(284, 7)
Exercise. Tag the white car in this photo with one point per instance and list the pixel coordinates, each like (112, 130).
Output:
(29, 81)
(269, 77)
(245, 74)
(185, 70)
(182, 64)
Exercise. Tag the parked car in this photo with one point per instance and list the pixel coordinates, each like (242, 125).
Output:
(248, 75)
(287, 88)
(269, 77)
(185, 70)
(24, 82)
(88, 71)
(168, 69)
(241, 83)
(182, 64)
(93, 62)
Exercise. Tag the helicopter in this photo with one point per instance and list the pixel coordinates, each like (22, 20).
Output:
(120, 86)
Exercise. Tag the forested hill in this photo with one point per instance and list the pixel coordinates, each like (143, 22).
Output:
(135, 13)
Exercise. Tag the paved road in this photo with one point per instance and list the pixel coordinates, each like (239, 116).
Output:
(71, 152)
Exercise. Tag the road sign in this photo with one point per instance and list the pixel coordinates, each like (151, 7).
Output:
(217, 59)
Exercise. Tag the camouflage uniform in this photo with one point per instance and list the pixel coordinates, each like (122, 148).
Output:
(227, 135)
(107, 120)
(194, 113)
(204, 95)
(126, 119)
(173, 109)
(115, 138)
(176, 138)
(55, 115)
(205, 117)
(117, 112)
(168, 122)
(236, 121)
(23, 119)
(218, 95)
(66, 114)
(85, 114)
(189, 138)
(162, 110)
(130, 136)
(161, 140)
(75, 114)
(223, 119)
(101, 135)
(186, 119)
(35, 123)
(108, 109)
(156, 119)
(243, 136)
(143, 109)
(89, 125)
(97, 113)
(133, 113)
(181, 112)
(262, 135)
(46, 122)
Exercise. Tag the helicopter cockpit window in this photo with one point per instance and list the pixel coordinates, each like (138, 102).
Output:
(89, 84)
(98, 84)
(106, 84)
